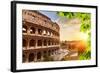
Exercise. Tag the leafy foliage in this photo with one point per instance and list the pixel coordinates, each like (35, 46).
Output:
(85, 55)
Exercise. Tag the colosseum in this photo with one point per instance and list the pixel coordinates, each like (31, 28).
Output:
(41, 36)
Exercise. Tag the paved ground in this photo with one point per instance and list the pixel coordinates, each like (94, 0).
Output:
(60, 54)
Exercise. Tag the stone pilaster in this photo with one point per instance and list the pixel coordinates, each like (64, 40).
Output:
(35, 56)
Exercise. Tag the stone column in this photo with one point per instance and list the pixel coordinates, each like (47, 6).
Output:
(47, 43)
(36, 32)
(35, 56)
(42, 55)
(28, 30)
(54, 52)
(28, 43)
(27, 57)
(42, 42)
(42, 31)
(36, 42)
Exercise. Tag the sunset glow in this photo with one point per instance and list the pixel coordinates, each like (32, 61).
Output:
(84, 36)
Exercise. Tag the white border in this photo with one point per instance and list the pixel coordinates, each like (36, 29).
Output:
(21, 65)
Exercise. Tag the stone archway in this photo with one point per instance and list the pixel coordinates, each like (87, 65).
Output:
(31, 57)
(24, 58)
(24, 29)
(39, 55)
(39, 42)
(24, 43)
(32, 43)
(40, 31)
(45, 42)
(32, 30)
(44, 53)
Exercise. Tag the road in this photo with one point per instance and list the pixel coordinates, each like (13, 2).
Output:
(61, 53)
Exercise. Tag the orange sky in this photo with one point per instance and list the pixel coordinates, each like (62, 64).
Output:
(70, 29)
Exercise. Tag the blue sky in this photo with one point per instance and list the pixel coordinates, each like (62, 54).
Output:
(51, 14)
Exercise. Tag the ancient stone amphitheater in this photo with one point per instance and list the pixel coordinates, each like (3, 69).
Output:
(41, 36)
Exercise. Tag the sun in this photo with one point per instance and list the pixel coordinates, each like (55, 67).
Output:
(83, 36)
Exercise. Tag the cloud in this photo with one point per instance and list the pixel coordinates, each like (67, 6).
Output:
(64, 21)
(69, 29)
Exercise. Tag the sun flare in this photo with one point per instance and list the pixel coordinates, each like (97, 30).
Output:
(84, 36)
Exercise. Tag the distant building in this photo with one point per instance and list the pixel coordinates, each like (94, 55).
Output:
(79, 45)
(74, 47)
(40, 36)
